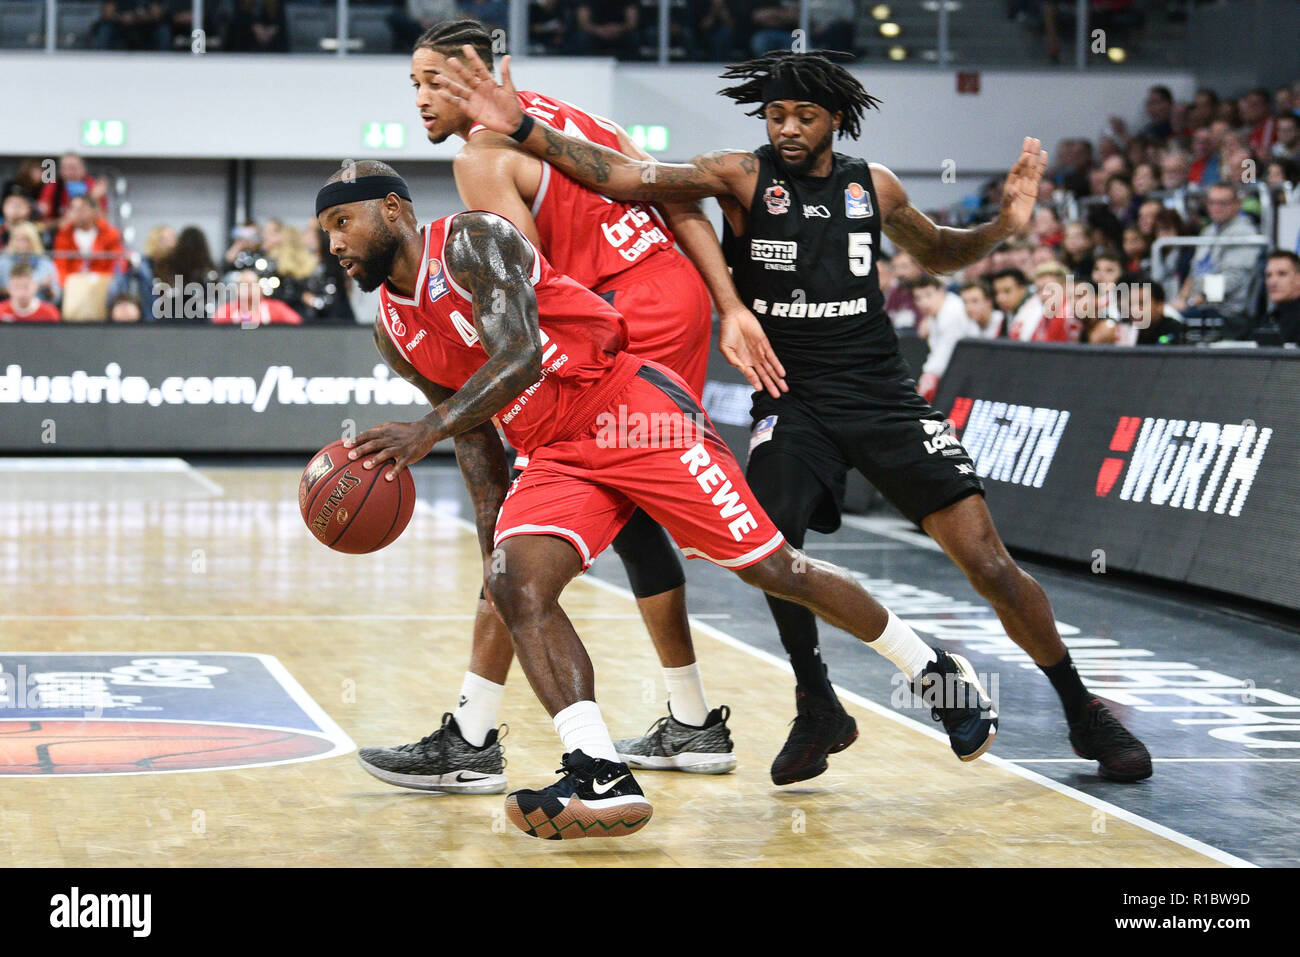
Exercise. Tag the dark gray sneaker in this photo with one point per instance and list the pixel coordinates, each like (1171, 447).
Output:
(442, 761)
(670, 745)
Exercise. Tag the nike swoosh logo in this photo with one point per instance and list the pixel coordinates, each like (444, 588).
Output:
(599, 789)
(464, 780)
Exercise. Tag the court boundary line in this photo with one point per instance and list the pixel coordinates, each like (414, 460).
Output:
(1129, 817)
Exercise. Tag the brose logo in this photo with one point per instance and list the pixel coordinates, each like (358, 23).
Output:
(1007, 442)
(1184, 464)
(774, 253)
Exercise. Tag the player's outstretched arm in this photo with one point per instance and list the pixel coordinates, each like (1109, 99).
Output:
(942, 249)
(496, 106)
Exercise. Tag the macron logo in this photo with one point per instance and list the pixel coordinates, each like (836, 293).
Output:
(75, 909)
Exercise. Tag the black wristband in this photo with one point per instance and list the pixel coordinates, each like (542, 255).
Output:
(525, 127)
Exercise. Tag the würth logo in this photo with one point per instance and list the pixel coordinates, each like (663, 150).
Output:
(1184, 464)
(1008, 442)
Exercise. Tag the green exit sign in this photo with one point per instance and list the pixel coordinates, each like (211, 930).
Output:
(652, 138)
(383, 136)
(103, 133)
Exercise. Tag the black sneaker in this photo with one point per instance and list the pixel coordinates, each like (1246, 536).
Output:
(1098, 736)
(442, 761)
(670, 745)
(955, 696)
(820, 727)
(594, 798)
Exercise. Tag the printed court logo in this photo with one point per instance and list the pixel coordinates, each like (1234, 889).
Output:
(1184, 464)
(141, 713)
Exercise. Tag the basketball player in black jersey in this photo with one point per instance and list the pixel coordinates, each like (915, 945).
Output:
(803, 224)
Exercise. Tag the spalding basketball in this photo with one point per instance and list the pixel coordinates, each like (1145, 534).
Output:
(353, 509)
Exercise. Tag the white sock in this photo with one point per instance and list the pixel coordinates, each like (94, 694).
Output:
(686, 694)
(480, 703)
(581, 728)
(900, 644)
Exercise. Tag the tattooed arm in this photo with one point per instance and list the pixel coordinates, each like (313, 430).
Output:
(490, 258)
(479, 453)
(942, 249)
(496, 106)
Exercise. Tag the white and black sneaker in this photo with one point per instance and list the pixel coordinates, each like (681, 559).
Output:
(442, 761)
(594, 798)
(956, 698)
(671, 745)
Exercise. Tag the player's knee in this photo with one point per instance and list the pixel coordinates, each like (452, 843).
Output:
(777, 574)
(518, 601)
(994, 574)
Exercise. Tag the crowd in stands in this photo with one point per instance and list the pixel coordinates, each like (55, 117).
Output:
(1083, 269)
(61, 258)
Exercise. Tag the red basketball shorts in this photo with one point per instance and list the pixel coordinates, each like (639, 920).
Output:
(652, 447)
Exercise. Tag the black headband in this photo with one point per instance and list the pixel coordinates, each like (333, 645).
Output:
(788, 88)
(359, 190)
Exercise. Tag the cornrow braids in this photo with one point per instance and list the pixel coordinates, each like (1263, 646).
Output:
(819, 79)
(449, 36)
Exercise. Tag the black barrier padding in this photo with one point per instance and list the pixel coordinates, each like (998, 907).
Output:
(1080, 512)
(238, 371)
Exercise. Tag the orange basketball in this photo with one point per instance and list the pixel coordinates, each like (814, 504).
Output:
(353, 509)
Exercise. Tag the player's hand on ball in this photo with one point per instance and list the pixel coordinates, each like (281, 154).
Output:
(470, 83)
(402, 443)
(1020, 192)
(744, 344)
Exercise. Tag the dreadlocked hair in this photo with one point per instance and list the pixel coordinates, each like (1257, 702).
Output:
(449, 36)
(814, 70)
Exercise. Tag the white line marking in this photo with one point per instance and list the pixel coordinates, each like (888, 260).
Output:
(1137, 820)
(372, 617)
(1164, 761)
(899, 529)
(109, 464)
(852, 546)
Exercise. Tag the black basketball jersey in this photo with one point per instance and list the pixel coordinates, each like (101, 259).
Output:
(806, 268)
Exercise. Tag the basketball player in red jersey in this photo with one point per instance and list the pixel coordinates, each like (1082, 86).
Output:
(623, 252)
(476, 318)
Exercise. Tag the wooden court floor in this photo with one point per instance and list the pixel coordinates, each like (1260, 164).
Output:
(219, 561)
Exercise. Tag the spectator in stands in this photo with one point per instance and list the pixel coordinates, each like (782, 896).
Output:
(1023, 311)
(72, 181)
(1058, 323)
(23, 304)
(1107, 270)
(27, 181)
(1159, 109)
(944, 321)
(718, 26)
(1288, 137)
(1205, 107)
(251, 307)
(1046, 227)
(1228, 113)
(1096, 329)
(548, 28)
(86, 242)
(15, 210)
(245, 247)
(1282, 284)
(413, 17)
(136, 280)
(326, 296)
(899, 301)
(1279, 172)
(831, 24)
(1206, 141)
(185, 279)
(1119, 196)
(258, 26)
(1155, 326)
(977, 298)
(25, 248)
(1146, 217)
(1137, 250)
(124, 307)
(1257, 118)
(1076, 249)
(133, 25)
(773, 22)
(1219, 284)
(1284, 101)
(1146, 179)
(1175, 262)
(290, 265)
(609, 27)
(1074, 162)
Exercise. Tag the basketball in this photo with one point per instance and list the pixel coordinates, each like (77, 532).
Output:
(350, 508)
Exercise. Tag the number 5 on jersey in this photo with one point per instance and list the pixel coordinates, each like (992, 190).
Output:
(860, 254)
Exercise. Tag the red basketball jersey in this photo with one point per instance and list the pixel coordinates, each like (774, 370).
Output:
(582, 339)
(586, 235)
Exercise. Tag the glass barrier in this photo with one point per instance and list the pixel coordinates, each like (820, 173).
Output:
(1079, 34)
